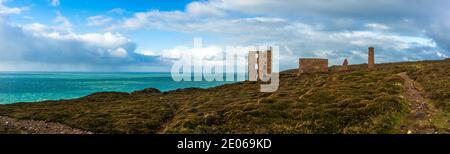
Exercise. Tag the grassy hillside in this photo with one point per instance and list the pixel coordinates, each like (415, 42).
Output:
(435, 79)
(356, 101)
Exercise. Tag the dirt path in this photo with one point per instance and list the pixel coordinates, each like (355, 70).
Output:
(36, 127)
(419, 120)
(174, 110)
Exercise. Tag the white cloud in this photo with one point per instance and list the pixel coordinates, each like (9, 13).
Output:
(204, 9)
(54, 2)
(119, 53)
(330, 8)
(329, 29)
(211, 53)
(148, 52)
(205, 57)
(36, 44)
(64, 23)
(53, 47)
(106, 43)
(208, 53)
(303, 38)
(377, 26)
(339, 28)
(4, 10)
(119, 11)
(151, 18)
(98, 20)
(437, 53)
(101, 44)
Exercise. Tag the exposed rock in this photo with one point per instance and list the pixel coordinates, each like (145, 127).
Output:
(147, 91)
(37, 127)
(187, 89)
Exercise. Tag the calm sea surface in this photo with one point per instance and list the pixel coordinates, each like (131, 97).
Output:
(32, 87)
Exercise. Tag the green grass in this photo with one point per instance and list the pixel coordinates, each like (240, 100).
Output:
(357, 101)
(435, 79)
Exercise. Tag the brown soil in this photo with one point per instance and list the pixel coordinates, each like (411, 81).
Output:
(37, 127)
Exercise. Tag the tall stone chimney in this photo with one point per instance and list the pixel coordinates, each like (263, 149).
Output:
(371, 60)
(269, 60)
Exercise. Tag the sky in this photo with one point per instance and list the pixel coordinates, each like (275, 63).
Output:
(149, 35)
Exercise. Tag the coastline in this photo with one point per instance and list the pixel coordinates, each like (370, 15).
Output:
(30, 87)
(178, 89)
(145, 90)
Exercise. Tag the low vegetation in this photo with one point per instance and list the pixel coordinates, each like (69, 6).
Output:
(354, 101)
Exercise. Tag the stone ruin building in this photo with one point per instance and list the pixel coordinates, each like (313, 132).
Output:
(260, 64)
(263, 61)
(312, 65)
(340, 68)
(344, 65)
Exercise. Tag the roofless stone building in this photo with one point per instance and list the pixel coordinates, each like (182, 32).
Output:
(312, 65)
(344, 66)
(263, 61)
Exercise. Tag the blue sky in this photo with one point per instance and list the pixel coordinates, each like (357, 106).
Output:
(148, 35)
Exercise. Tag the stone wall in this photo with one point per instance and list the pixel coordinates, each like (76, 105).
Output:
(311, 65)
(263, 61)
(264, 64)
(252, 62)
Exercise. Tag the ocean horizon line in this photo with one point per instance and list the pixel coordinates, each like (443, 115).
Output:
(38, 86)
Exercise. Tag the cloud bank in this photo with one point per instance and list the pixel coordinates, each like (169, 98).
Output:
(399, 29)
(53, 46)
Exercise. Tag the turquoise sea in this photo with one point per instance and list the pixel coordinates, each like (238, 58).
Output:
(39, 86)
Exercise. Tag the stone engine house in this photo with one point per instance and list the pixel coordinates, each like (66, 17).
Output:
(312, 65)
(263, 61)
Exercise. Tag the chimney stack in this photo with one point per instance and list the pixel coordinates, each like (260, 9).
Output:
(371, 61)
